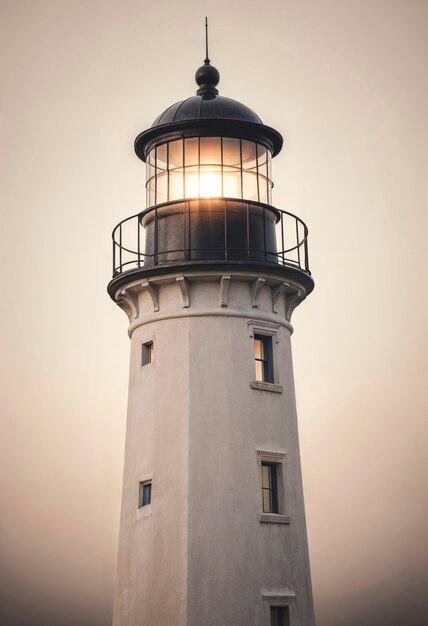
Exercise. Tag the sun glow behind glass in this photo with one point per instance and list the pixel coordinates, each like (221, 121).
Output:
(208, 167)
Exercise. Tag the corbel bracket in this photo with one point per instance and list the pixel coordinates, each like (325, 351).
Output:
(224, 290)
(292, 301)
(128, 301)
(184, 285)
(276, 292)
(153, 291)
(256, 285)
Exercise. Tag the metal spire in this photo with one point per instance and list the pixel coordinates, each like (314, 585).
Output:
(207, 60)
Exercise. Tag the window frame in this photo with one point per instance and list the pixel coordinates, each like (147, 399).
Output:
(286, 601)
(147, 353)
(279, 460)
(142, 485)
(266, 358)
(258, 328)
(272, 487)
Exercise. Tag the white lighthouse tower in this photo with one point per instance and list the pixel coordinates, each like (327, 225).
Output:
(212, 528)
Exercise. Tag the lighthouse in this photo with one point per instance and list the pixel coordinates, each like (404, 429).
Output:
(212, 529)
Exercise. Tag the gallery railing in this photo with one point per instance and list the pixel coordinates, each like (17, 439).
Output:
(210, 229)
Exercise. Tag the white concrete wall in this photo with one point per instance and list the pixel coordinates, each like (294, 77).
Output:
(201, 556)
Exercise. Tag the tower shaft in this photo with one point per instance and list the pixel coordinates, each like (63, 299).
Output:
(214, 545)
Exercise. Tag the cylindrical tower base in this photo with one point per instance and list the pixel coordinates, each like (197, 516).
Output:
(202, 429)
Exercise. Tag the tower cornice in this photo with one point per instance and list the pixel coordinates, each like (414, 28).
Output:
(262, 295)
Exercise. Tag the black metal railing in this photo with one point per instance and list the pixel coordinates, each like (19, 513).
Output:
(221, 229)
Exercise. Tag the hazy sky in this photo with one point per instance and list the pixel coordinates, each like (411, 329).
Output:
(345, 82)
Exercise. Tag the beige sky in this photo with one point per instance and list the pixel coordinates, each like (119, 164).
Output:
(345, 82)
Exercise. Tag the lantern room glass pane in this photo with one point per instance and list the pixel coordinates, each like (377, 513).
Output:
(249, 187)
(231, 153)
(263, 177)
(249, 155)
(210, 181)
(161, 158)
(210, 150)
(231, 182)
(208, 167)
(269, 179)
(150, 186)
(151, 157)
(261, 155)
(191, 151)
(175, 154)
(161, 188)
(176, 183)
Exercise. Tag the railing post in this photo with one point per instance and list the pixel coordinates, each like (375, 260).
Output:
(120, 247)
(188, 231)
(282, 239)
(248, 231)
(298, 242)
(155, 250)
(264, 230)
(138, 241)
(306, 251)
(225, 230)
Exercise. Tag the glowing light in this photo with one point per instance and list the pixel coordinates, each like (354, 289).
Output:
(208, 167)
(204, 185)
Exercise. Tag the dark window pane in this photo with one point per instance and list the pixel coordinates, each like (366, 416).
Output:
(147, 353)
(144, 493)
(147, 494)
(269, 487)
(263, 358)
(279, 616)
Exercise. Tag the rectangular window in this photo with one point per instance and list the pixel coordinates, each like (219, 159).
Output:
(263, 358)
(279, 616)
(270, 487)
(147, 353)
(145, 493)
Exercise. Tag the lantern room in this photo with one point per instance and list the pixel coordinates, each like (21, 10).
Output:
(209, 188)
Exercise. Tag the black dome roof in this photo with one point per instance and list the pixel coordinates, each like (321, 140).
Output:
(207, 105)
(207, 114)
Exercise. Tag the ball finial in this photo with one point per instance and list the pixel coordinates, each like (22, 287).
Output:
(207, 78)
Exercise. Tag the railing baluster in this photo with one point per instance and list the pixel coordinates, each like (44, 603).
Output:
(225, 230)
(248, 231)
(138, 241)
(120, 247)
(264, 230)
(282, 239)
(306, 250)
(298, 242)
(156, 242)
(188, 231)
